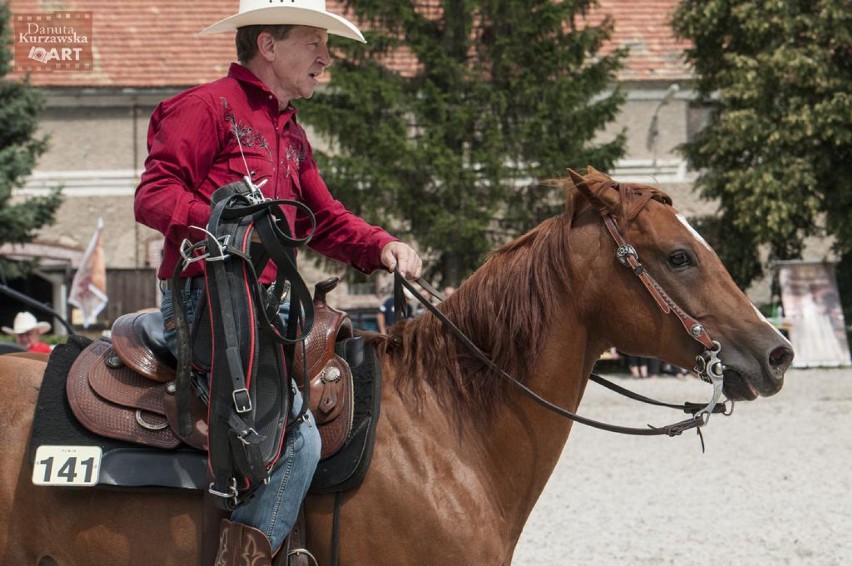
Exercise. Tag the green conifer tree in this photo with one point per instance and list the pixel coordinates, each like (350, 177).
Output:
(20, 106)
(501, 93)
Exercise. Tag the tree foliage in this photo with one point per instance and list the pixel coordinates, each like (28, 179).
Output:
(776, 153)
(20, 107)
(499, 94)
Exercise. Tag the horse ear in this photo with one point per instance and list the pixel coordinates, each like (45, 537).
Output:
(576, 177)
(597, 188)
(570, 191)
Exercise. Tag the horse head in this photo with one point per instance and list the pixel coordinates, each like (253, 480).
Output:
(755, 355)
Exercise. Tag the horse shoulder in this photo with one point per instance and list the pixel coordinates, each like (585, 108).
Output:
(423, 468)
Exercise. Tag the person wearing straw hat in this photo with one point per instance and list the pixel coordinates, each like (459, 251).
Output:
(245, 124)
(26, 330)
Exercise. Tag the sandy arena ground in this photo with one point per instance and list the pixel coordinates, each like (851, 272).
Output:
(773, 488)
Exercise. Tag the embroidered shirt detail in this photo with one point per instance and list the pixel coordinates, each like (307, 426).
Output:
(242, 134)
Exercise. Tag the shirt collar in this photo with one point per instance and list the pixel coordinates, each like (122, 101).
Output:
(246, 77)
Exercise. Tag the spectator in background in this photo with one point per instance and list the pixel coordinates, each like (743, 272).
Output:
(676, 371)
(449, 290)
(654, 367)
(27, 331)
(638, 366)
(387, 314)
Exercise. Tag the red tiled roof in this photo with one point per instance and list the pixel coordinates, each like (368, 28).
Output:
(645, 29)
(154, 43)
(144, 44)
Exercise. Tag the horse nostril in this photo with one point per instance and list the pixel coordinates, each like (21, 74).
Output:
(780, 358)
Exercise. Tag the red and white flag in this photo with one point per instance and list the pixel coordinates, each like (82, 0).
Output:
(88, 290)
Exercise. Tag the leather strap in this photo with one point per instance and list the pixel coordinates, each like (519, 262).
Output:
(335, 529)
(688, 407)
(668, 430)
(238, 211)
(628, 257)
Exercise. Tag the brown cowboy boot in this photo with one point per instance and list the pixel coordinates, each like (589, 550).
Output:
(241, 545)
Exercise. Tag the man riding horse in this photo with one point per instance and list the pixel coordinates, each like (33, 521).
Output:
(244, 125)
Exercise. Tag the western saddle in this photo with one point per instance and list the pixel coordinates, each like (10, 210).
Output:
(125, 389)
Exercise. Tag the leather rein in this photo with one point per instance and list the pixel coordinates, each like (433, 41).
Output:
(708, 366)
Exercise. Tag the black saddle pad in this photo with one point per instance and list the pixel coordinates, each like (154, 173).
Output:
(123, 463)
(346, 469)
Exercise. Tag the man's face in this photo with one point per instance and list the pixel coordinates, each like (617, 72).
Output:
(300, 59)
(26, 339)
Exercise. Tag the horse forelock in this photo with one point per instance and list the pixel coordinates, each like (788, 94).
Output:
(506, 308)
(633, 197)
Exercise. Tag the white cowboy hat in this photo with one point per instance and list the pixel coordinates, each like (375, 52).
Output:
(293, 12)
(24, 322)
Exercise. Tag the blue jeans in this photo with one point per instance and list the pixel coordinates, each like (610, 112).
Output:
(275, 505)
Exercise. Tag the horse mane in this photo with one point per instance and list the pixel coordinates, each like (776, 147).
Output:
(528, 275)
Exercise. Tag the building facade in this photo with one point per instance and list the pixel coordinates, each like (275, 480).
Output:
(142, 53)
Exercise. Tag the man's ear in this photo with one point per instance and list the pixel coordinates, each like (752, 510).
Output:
(266, 45)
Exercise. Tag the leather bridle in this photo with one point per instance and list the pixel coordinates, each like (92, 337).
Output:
(708, 366)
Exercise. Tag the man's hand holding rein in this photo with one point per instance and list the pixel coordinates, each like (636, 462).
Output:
(397, 256)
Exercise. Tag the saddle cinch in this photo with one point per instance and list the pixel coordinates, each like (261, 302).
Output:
(125, 389)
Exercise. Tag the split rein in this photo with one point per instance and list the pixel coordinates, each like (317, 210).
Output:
(708, 366)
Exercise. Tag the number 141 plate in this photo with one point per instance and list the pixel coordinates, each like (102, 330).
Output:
(67, 465)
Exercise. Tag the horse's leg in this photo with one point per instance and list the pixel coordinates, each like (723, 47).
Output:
(80, 526)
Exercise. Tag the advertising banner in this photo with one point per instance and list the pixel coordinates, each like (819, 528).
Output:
(813, 314)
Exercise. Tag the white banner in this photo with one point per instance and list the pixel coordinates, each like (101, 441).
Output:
(812, 311)
(88, 290)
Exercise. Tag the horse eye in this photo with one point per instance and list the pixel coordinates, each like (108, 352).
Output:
(679, 259)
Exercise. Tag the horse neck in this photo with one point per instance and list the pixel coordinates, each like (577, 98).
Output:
(526, 440)
(523, 309)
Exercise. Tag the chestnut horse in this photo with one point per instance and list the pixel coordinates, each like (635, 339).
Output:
(460, 457)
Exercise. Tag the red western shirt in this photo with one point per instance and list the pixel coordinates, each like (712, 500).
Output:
(194, 144)
(39, 347)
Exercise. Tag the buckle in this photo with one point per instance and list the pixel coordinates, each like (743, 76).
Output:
(242, 400)
(247, 435)
(231, 496)
(254, 196)
(187, 247)
(231, 493)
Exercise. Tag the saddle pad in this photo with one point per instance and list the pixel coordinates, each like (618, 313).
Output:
(142, 467)
(54, 424)
(107, 418)
(346, 469)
